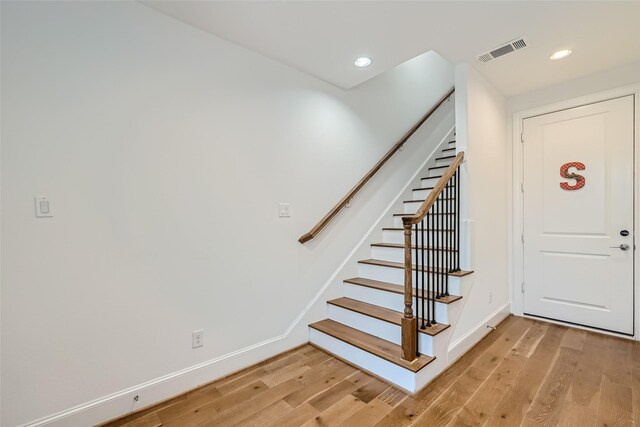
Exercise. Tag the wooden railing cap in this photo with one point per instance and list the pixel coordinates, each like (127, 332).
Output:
(422, 211)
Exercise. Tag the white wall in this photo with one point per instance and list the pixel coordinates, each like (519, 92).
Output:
(165, 151)
(610, 79)
(481, 125)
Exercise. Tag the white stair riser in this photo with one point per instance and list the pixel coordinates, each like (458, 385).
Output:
(412, 207)
(451, 144)
(436, 173)
(397, 236)
(396, 276)
(421, 194)
(391, 300)
(428, 182)
(379, 328)
(397, 255)
(444, 162)
(397, 222)
(374, 364)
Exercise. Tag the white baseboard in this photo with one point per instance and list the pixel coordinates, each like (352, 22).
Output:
(471, 338)
(167, 386)
(159, 389)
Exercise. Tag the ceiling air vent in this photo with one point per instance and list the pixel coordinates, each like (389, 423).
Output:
(509, 47)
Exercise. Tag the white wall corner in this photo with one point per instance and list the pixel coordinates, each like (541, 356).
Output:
(461, 73)
(467, 246)
(463, 344)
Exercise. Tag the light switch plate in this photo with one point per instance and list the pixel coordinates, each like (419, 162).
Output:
(43, 207)
(284, 210)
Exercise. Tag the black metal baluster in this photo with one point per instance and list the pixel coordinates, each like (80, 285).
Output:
(422, 269)
(458, 218)
(454, 238)
(451, 225)
(445, 245)
(442, 243)
(417, 287)
(438, 245)
(432, 273)
(445, 252)
(449, 235)
(426, 248)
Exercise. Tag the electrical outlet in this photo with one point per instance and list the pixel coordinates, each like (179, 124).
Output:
(136, 402)
(197, 338)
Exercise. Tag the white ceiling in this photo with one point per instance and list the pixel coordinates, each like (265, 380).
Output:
(323, 38)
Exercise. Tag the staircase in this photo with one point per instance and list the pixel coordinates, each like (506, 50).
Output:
(365, 326)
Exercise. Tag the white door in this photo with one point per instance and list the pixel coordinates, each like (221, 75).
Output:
(578, 215)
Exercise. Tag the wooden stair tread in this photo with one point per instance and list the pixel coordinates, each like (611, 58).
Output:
(401, 246)
(402, 229)
(452, 156)
(382, 348)
(442, 213)
(449, 149)
(422, 201)
(439, 167)
(400, 265)
(427, 188)
(392, 287)
(432, 177)
(381, 313)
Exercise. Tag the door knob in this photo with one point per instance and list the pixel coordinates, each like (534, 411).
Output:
(622, 247)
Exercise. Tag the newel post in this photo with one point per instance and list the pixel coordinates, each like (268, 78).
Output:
(409, 338)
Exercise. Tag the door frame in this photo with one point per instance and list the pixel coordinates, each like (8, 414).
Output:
(516, 228)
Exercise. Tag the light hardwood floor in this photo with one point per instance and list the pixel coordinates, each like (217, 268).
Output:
(524, 373)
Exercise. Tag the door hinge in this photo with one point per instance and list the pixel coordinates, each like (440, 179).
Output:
(523, 287)
(521, 136)
(522, 238)
(522, 187)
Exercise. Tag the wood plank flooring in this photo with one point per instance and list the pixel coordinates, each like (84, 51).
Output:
(525, 373)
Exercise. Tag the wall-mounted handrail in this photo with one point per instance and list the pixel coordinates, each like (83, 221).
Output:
(442, 249)
(345, 200)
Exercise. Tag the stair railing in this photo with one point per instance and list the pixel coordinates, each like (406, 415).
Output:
(347, 198)
(436, 245)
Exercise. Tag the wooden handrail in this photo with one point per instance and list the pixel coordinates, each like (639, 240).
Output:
(345, 200)
(435, 193)
(409, 338)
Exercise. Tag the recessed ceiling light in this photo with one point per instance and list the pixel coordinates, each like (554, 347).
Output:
(560, 54)
(362, 62)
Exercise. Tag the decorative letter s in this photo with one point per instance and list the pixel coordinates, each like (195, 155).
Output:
(564, 172)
